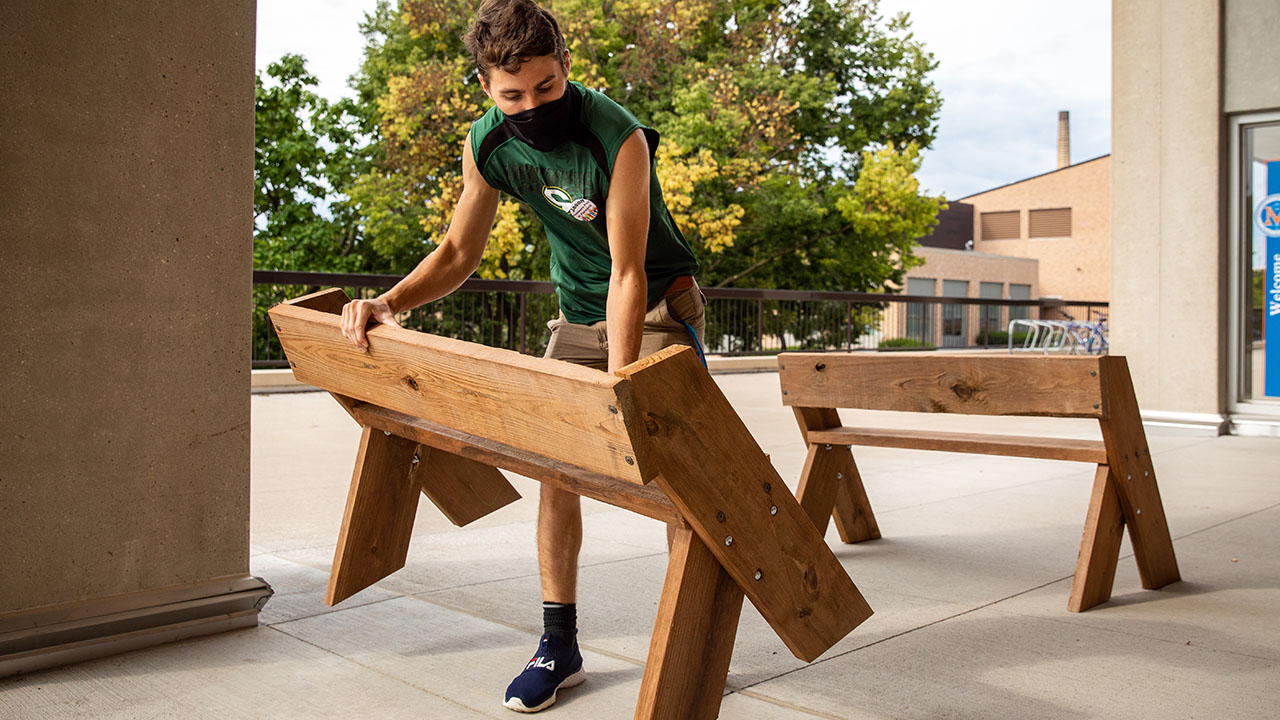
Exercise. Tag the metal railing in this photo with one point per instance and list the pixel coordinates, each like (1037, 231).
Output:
(512, 314)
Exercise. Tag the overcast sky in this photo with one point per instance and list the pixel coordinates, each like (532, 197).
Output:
(1006, 67)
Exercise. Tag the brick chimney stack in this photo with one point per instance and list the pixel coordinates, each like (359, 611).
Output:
(1064, 139)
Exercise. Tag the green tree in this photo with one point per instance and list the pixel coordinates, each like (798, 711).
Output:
(308, 153)
(791, 132)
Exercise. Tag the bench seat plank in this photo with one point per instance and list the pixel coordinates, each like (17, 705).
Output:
(542, 406)
(1091, 451)
(648, 500)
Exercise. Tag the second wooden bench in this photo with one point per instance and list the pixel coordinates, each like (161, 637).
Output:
(1124, 486)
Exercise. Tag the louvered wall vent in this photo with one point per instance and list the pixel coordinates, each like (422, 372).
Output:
(1001, 225)
(1051, 223)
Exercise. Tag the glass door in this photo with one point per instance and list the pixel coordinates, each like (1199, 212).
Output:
(1256, 254)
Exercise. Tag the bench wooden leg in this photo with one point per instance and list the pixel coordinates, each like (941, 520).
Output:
(378, 521)
(854, 519)
(693, 635)
(830, 486)
(1100, 546)
(1135, 476)
(830, 483)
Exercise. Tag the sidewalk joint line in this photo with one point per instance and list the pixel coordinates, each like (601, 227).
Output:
(375, 670)
(784, 704)
(904, 632)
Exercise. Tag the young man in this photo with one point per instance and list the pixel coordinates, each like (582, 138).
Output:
(622, 270)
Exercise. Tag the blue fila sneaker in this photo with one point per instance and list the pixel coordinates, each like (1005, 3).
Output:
(554, 666)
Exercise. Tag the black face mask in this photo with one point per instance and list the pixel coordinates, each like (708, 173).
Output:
(549, 125)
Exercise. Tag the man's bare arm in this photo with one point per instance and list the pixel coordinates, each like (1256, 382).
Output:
(441, 272)
(627, 210)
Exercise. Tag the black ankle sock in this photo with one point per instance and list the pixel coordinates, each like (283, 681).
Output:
(560, 620)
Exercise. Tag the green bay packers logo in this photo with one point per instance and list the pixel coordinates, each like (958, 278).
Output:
(580, 209)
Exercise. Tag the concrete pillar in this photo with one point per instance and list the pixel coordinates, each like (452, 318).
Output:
(1167, 204)
(126, 142)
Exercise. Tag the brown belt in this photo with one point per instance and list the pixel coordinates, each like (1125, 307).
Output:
(679, 285)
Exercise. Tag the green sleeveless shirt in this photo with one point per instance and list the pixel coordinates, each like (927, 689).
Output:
(567, 189)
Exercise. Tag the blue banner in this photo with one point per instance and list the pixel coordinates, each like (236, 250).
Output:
(1267, 216)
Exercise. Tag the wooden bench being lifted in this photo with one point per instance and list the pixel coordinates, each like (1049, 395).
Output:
(440, 416)
(1124, 486)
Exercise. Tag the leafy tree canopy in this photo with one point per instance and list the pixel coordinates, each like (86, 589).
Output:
(791, 133)
(307, 153)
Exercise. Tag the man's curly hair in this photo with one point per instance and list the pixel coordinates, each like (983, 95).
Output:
(508, 33)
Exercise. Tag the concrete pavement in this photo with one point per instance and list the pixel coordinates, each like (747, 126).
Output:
(969, 585)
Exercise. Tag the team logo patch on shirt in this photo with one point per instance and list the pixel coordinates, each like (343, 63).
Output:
(580, 209)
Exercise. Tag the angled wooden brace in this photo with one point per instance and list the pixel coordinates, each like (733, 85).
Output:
(1125, 493)
(733, 499)
(830, 485)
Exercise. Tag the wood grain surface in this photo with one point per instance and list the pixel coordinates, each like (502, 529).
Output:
(693, 636)
(1099, 545)
(729, 493)
(648, 500)
(378, 520)
(851, 509)
(464, 490)
(1090, 451)
(1135, 474)
(563, 411)
(1056, 386)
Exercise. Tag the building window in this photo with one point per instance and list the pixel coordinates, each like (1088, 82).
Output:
(953, 316)
(1019, 292)
(920, 315)
(989, 317)
(1005, 225)
(1051, 223)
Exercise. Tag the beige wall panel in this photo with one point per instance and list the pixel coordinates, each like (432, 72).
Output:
(1249, 55)
(126, 143)
(945, 264)
(1136, 218)
(1192, 269)
(1166, 221)
(1075, 268)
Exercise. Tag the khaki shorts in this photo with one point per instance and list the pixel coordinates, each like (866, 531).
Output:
(589, 344)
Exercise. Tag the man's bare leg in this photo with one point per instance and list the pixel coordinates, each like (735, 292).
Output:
(557, 663)
(559, 541)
